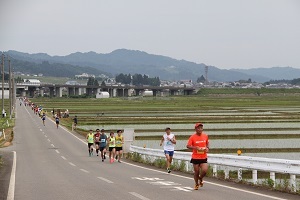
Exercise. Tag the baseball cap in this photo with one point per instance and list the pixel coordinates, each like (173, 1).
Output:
(198, 124)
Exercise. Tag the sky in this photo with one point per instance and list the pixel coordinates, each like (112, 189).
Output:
(227, 34)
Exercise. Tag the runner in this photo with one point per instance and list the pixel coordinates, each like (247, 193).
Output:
(57, 121)
(103, 143)
(97, 140)
(198, 142)
(75, 122)
(112, 147)
(90, 140)
(119, 145)
(44, 118)
(169, 141)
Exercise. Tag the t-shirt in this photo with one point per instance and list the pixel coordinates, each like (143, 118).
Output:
(168, 145)
(103, 139)
(200, 141)
(97, 137)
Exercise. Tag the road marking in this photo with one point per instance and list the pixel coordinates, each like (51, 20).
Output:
(52, 145)
(219, 185)
(41, 130)
(106, 180)
(84, 170)
(46, 136)
(57, 151)
(63, 157)
(215, 184)
(138, 196)
(48, 140)
(11, 188)
(72, 164)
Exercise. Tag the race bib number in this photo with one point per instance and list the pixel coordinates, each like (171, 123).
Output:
(103, 140)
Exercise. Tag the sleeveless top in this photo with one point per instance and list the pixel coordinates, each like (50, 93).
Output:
(119, 141)
(112, 142)
(90, 138)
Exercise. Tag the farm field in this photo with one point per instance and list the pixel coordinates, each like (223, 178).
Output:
(256, 125)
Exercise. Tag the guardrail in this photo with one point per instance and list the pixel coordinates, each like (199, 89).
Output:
(291, 167)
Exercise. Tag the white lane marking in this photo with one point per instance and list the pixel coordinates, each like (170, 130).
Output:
(52, 145)
(41, 130)
(106, 180)
(215, 184)
(57, 151)
(49, 140)
(72, 164)
(138, 196)
(63, 157)
(84, 170)
(228, 187)
(11, 188)
(46, 136)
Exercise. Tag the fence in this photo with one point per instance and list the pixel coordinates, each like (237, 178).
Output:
(291, 167)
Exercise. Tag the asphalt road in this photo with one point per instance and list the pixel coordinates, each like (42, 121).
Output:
(53, 163)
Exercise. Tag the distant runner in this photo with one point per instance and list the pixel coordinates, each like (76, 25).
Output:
(169, 141)
(198, 142)
(111, 147)
(43, 118)
(103, 143)
(75, 121)
(119, 145)
(97, 140)
(57, 121)
(90, 140)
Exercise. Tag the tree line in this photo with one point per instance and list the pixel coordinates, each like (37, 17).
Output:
(137, 79)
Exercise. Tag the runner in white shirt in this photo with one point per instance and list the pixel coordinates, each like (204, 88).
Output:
(169, 142)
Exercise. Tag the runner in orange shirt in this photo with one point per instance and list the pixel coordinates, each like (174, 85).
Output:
(198, 142)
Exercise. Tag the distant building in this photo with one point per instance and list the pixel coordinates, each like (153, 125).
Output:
(85, 75)
(72, 83)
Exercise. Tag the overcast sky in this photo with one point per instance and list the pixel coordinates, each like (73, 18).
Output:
(222, 33)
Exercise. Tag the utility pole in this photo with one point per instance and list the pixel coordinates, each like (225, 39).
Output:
(10, 90)
(2, 84)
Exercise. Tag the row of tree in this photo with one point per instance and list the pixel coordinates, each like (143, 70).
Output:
(137, 79)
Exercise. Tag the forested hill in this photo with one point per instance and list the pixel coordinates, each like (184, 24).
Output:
(52, 69)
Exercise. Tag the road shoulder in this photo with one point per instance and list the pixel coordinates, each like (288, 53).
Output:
(5, 172)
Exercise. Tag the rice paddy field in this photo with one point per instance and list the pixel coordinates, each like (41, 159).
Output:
(265, 126)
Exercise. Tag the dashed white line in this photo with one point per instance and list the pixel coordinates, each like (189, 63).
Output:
(104, 179)
(57, 151)
(63, 157)
(48, 140)
(84, 170)
(138, 196)
(52, 145)
(46, 136)
(72, 164)
(41, 130)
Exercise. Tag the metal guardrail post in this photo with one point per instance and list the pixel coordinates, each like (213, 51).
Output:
(240, 173)
(293, 185)
(254, 177)
(272, 177)
(226, 171)
(215, 172)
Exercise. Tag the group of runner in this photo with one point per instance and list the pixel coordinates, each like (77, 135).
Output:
(198, 143)
(101, 142)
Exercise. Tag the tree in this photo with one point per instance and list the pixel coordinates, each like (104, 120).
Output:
(201, 79)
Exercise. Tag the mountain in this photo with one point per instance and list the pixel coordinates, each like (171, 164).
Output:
(274, 73)
(51, 69)
(133, 61)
